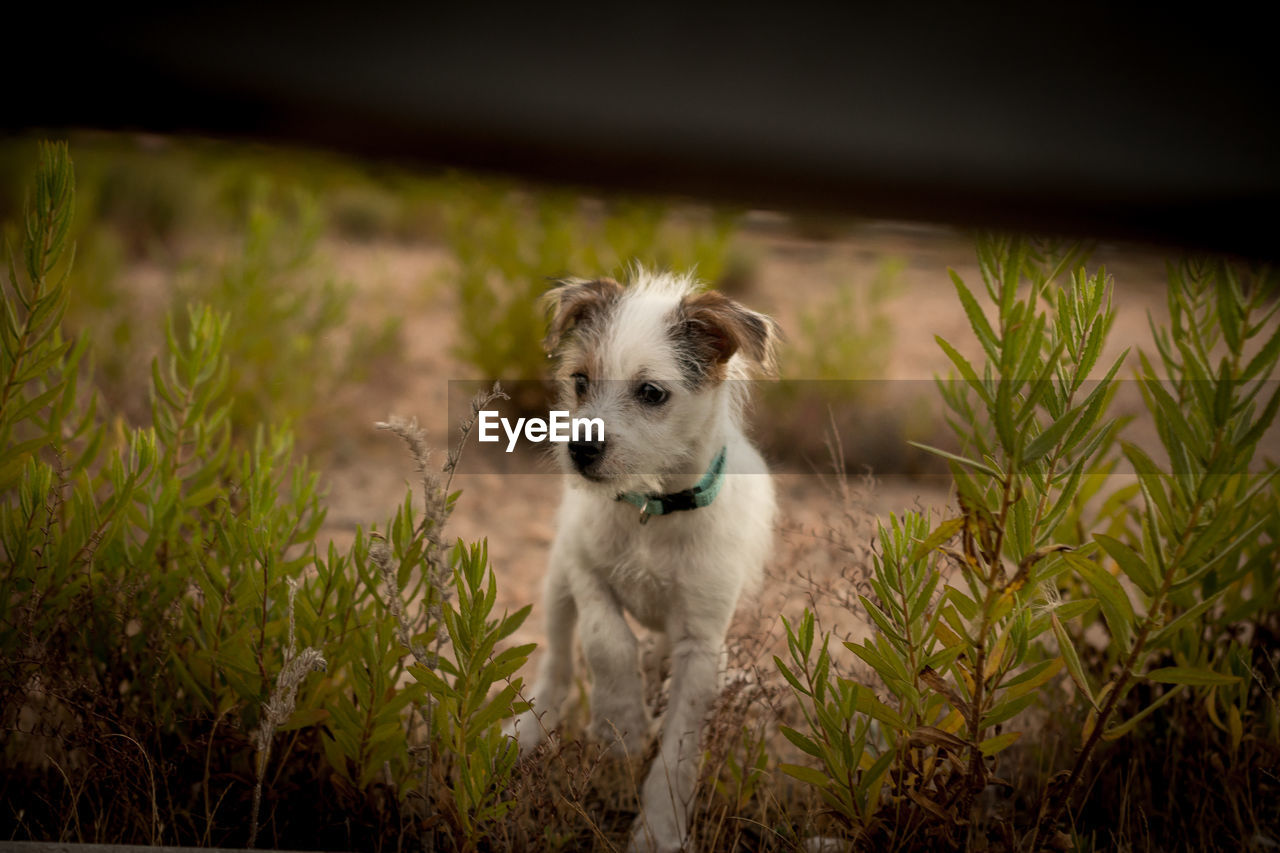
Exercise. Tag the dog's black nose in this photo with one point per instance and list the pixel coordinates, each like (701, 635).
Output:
(583, 453)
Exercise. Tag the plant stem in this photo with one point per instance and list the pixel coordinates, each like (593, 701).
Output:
(975, 773)
(263, 754)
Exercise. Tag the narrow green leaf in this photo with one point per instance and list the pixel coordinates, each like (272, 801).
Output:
(497, 709)
(868, 704)
(873, 659)
(1002, 415)
(1116, 607)
(1233, 544)
(977, 320)
(801, 742)
(886, 626)
(1047, 440)
(874, 777)
(1224, 385)
(1151, 478)
(967, 606)
(790, 677)
(1228, 316)
(1265, 359)
(1072, 660)
(1119, 730)
(966, 370)
(1005, 710)
(808, 775)
(1186, 618)
(511, 623)
(942, 659)
(1000, 742)
(1170, 414)
(1032, 678)
(1263, 423)
(977, 466)
(1197, 676)
(1094, 338)
(1010, 276)
(1134, 567)
(939, 535)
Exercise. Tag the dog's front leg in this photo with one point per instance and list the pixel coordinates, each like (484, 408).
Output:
(618, 715)
(668, 790)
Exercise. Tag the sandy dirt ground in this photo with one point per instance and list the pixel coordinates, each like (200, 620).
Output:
(367, 470)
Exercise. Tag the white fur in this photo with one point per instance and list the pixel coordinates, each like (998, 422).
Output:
(679, 574)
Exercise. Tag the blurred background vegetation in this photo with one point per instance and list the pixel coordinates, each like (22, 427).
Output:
(261, 233)
(160, 224)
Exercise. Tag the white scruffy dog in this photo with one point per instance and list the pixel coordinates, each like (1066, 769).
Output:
(670, 517)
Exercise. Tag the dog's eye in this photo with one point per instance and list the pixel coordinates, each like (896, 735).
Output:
(579, 383)
(650, 394)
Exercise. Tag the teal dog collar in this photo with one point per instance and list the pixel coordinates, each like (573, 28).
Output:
(702, 494)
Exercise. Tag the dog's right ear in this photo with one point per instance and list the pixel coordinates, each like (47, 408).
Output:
(574, 303)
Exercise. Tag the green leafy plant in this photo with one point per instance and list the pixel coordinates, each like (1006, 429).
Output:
(466, 717)
(455, 648)
(1029, 430)
(160, 224)
(1201, 521)
(838, 714)
(40, 368)
(961, 659)
(964, 652)
(1032, 436)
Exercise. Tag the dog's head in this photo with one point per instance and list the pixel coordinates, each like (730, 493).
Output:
(659, 363)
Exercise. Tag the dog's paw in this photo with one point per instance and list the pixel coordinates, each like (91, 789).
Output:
(624, 735)
(655, 835)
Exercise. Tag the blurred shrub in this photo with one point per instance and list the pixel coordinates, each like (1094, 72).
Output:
(834, 362)
(847, 338)
(159, 225)
(144, 191)
(284, 309)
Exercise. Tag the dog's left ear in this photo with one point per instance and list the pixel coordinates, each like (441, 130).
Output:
(717, 328)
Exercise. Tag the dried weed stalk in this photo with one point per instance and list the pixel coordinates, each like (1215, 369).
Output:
(438, 503)
(279, 706)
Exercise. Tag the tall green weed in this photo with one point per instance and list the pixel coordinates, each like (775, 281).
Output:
(974, 617)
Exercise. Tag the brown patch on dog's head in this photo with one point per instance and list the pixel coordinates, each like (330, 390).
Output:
(711, 328)
(576, 304)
